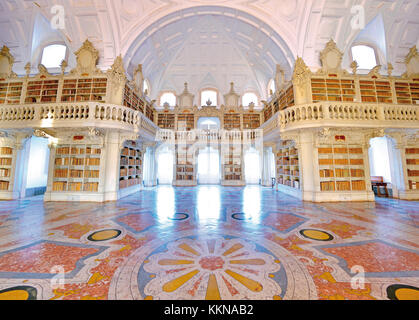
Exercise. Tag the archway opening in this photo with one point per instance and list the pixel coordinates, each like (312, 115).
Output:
(209, 166)
(380, 170)
(165, 162)
(252, 166)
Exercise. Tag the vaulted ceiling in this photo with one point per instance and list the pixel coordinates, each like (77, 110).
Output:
(209, 43)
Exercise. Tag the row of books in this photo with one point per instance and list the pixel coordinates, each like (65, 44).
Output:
(340, 150)
(129, 183)
(232, 177)
(5, 161)
(75, 186)
(412, 151)
(4, 185)
(412, 161)
(4, 173)
(413, 173)
(413, 185)
(130, 162)
(181, 177)
(184, 169)
(6, 151)
(342, 162)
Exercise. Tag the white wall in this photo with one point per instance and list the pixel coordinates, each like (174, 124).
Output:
(38, 163)
(379, 159)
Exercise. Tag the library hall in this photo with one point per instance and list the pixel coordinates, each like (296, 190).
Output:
(209, 150)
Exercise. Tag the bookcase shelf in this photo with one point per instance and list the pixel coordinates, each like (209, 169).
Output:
(333, 89)
(412, 168)
(42, 91)
(407, 92)
(90, 89)
(184, 166)
(130, 165)
(10, 92)
(341, 167)
(6, 159)
(166, 120)
(376, 91)
(77, 168)
(232, 121)
(288, 165)
(251, 121)
(186, 121)
(232, 163)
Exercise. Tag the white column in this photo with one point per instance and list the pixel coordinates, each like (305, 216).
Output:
(309, 168)
(112, 159)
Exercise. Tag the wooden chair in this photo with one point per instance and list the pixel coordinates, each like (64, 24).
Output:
(379, 182)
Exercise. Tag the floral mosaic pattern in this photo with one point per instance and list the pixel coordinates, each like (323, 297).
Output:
(212, 269)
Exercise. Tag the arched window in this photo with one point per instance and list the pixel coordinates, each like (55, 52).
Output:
(271, 87)
(146, 87)
(53, 55)
(365, 56)
(209, 97)
(249, 98)
(168, 97)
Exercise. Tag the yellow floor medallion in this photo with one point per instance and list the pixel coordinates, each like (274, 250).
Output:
(316, 235)
(104, 235)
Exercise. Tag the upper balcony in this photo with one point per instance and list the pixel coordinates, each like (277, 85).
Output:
(85, 97)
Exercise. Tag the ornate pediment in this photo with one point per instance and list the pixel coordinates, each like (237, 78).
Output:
(302, 73)
(6, 63)
(375, 72)
(279, 78)
(412, 63)
(43, 71)
(331, 59)
(117, 70)
(186, 98)
(231, 99)
(138, 80)
(87, 58)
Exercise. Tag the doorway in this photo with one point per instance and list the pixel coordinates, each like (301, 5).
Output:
(209, 166)
(165, 162)
(252, 166)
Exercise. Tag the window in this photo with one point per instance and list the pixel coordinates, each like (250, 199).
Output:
(146, 87)
(271, 87)
(53, 55)
(168, 97)
(364, 56)
(249, 98)
(209, 97)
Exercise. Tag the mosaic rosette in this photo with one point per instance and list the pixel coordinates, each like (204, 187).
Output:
(212, 269)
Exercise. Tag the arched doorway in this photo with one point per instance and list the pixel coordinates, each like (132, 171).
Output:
(252, 166)
(165, 162)
(209, 166)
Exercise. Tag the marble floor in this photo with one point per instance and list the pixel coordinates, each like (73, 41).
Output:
(209, 242)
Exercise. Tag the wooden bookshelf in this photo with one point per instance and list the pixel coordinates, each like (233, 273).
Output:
(333, 89)
(85, 89)
(10, 92)
(42, 91)
(185, 121)
(184, 166)
(412, 167)
(233, 164)
(130, 165)
(267, 112)
(6, 159)
(407, 92)
(166, 120)
(288, 165)
(251, 120)
(77, 168)
(376, 91)
(232, 121)
(341, 167)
